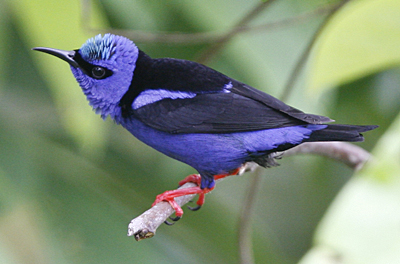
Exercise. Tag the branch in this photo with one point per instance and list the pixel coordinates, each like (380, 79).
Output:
(304, 56)
(145, 225)
(198, 37)
(224, 39)
(245, 242)
(351, 155)
(252, 190)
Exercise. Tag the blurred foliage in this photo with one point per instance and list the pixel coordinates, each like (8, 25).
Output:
(363, 38)
(70, 183)
(362, 224)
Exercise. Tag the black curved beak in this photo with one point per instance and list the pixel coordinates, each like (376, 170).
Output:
(65, 55)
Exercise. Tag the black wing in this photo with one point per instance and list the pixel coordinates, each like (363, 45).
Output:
(242, 109)
(270, 101)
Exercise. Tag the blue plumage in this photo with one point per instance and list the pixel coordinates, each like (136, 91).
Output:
(212, 154)
(120, 55)
(100, 48)
(190, 112)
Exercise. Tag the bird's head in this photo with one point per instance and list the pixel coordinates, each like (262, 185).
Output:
(103, 67)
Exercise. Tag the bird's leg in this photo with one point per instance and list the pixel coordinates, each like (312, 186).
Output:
(169, 196)
(195, 178)
(231, 173)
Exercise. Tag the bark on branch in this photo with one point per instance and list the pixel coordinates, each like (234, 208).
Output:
(145, 225)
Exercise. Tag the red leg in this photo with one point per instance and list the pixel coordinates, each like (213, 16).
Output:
(195, 178)
(169, 196)
(221, 176)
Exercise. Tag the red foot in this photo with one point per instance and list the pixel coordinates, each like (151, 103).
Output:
(195, 178)
(169, 196)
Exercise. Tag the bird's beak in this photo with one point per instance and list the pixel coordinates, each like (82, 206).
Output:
(65, 55)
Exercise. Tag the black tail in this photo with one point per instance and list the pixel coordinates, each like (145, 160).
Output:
(340, 133)
(330, 133)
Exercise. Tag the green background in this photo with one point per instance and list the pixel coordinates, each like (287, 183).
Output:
(70, 182)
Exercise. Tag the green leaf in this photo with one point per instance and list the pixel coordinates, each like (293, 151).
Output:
(361, 39)
(363, 223)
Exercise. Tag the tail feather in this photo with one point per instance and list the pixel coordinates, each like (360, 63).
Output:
(340, 133)
(329, 133)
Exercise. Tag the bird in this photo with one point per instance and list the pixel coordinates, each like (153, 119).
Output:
(192, 113)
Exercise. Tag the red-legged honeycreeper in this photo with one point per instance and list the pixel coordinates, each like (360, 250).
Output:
(192, 113)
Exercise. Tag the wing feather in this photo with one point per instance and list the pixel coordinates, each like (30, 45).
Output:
(213, 113)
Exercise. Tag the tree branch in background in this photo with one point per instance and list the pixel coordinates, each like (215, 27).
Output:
(351, 155)
(244, 223)
(145, 225)
(224, 39)
(245, 242)
(304, 56)
(182, 38)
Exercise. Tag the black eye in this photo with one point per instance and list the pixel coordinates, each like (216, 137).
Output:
(98, 72)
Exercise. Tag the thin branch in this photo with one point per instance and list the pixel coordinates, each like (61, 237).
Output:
(221, 42)
(199, 37)
(145, 225)
(296, 20)
(306, 53)
(245, 243)
(253, 190)
(351, 155)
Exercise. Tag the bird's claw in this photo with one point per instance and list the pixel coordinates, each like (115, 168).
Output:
(194, 208)
(169, 196)
(168, 223)
(174, 219)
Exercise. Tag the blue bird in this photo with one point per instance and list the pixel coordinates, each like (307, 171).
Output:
(191, 112)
